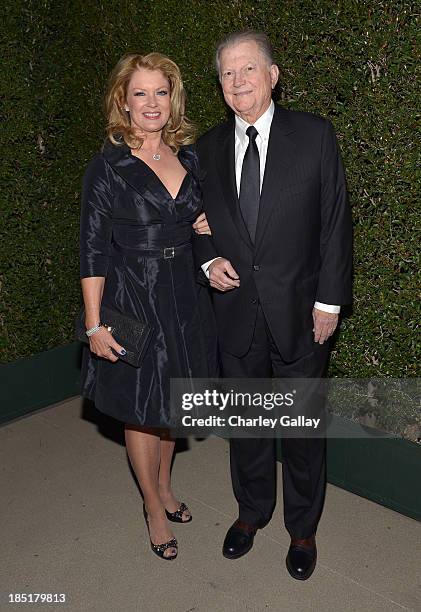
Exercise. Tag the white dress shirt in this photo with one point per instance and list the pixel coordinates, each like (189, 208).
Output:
(262, 125)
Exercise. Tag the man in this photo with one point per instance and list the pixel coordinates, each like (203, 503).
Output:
(279, 261)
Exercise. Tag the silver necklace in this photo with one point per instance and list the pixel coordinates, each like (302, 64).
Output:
(156, 156)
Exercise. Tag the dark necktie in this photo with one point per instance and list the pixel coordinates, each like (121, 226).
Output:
(250, 183)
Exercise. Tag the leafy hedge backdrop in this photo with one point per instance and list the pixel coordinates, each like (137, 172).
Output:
(353, 61)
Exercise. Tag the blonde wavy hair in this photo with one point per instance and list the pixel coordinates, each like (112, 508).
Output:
(178, 130)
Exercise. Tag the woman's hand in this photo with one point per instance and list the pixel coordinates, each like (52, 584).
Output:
(201, 225)
(101, 343)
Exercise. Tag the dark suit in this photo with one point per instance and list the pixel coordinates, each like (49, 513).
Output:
(302, 253)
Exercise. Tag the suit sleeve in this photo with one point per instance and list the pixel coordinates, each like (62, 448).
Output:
(335, 277)
(96, 219)
(203, 247)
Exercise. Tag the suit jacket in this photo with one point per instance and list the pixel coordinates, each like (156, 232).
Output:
(303, 246)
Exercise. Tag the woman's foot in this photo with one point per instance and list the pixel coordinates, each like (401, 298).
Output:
(179, 516)
(176, 511)
(162, 539)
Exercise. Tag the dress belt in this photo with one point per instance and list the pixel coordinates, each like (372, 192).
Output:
(157, 252)
(152, 236)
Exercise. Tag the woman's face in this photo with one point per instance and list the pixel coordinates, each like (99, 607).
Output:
(148, 100)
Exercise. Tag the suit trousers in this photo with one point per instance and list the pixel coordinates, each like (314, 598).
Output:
(253, 460)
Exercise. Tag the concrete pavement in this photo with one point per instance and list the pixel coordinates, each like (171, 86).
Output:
(72, 523)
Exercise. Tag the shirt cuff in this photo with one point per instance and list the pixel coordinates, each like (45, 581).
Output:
(205, 266)
(327, 307)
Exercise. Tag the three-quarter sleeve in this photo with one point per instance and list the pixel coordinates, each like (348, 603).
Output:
(96, 218)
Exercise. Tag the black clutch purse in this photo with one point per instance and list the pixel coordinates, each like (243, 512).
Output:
(133, 335)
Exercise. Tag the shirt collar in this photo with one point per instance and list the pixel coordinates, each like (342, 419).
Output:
(262, 125)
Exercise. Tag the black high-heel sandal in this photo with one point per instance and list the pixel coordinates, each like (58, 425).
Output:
(177, 516)
(159, 549)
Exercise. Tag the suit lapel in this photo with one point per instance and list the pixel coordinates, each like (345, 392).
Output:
(281, 156)
(226, 173)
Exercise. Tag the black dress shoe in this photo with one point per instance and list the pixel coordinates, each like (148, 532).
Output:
(239, 540)
(301, 558)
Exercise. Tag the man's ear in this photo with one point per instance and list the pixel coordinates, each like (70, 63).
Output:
(274, 74)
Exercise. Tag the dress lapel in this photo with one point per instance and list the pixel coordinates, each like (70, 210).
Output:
(226, 173)
(188, 159)
(135, 173)
(281, 156)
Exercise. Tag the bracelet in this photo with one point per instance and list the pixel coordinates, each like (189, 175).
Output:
(93, 330)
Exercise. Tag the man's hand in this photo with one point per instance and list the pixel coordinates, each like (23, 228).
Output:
(222, 275)
(201, 225)
(324, 325)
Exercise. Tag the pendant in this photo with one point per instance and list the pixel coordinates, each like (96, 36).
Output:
(156, 157)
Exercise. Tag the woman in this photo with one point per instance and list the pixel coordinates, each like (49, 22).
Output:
(140, 197)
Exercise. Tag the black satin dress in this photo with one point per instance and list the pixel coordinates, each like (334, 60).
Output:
(128, 218)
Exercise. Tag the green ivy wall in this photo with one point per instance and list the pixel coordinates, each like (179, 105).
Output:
(352, 61)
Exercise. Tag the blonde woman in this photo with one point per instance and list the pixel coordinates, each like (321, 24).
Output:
(141, 196)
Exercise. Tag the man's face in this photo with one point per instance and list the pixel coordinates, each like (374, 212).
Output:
(247, 80)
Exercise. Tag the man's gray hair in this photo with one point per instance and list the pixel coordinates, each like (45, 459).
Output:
(235, 38)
